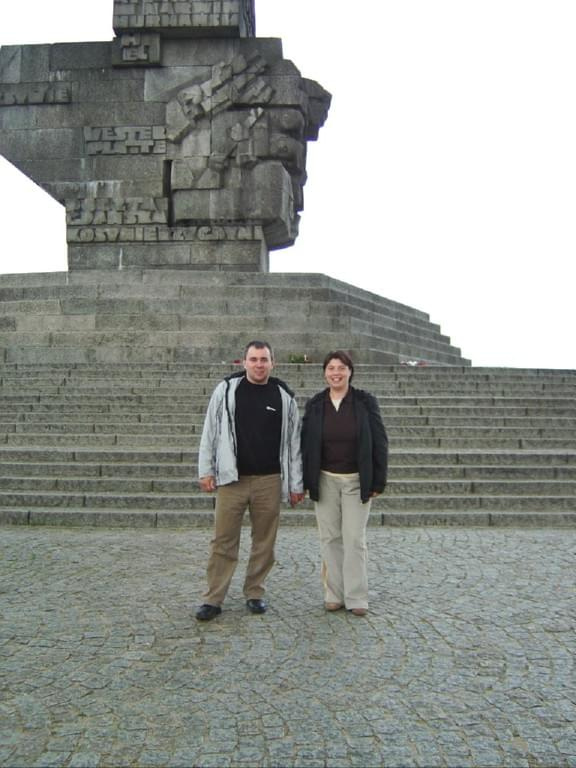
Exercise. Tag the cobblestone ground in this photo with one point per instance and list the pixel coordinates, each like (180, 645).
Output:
(466, 657)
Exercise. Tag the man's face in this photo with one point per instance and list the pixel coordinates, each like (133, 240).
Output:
(258, 365)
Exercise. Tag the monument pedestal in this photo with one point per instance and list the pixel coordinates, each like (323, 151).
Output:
(186, 316)
(221, 248)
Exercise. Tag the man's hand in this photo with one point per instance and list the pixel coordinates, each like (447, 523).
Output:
(208, 483)
(296, 498)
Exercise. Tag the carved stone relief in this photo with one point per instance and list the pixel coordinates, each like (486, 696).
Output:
(184, 128)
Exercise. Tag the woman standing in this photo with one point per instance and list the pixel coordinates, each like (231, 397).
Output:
(345, 456)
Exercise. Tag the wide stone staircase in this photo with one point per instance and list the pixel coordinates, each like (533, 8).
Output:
(111, 442)
(197, 316)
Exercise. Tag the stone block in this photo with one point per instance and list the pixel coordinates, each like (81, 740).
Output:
(86, 257)
(177, 53)
(124, 354)
(176, 519)
(156, 255)
(32, 355)
(93, 306)
(37, 117)
(49, 323)
(107, 91)
(51, 143)
(36, 63)
(151, 322)
(141, 168)
(78, 56)
(443, 518)
(94, 517)
(34, 307)
(15, 119)
(543, 518)
(11, 63)
(75, 194)
(160, 84)
(14, 516)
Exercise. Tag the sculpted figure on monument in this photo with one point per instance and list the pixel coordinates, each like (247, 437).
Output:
(181, 143)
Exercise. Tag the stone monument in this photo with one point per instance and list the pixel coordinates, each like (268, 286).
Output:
(180, 144)
(179, 152)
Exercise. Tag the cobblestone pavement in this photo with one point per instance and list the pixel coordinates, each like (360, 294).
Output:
(466, 657)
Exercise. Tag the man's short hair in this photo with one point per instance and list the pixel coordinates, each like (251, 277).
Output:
(259, 345)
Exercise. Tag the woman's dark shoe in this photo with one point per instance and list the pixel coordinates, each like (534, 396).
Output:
(207, 612)
(256, 606)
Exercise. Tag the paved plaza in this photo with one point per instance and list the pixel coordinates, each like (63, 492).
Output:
(466, 657)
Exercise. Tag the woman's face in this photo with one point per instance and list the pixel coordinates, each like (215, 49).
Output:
(337, 375)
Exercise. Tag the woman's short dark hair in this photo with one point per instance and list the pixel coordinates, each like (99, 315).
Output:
(339, 354)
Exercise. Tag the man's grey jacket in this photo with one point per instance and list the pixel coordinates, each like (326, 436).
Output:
(217, 456)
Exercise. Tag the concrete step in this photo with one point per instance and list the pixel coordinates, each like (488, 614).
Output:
(304, 385)
(77, 467)
(17, 351)
(76, 318)
(204, 285)
(538, 503)
(212, 315)
(436, 384)
(468, 459)
(127, 411)
(424, 380)
(118, 443)
(162, 487)
(117, 456)
(167, 471)
(191, 428)
(89, 407)
(146, 518)
(102, 471)
(82, 346)
(135, 420)
(476, 473)
(158, 502)
(188, 441)
(299, 373)
(195, 402)
(414, 460)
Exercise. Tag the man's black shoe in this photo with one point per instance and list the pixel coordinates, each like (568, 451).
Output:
(256, 606)
(207, 612)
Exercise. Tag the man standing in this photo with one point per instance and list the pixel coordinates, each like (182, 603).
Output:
(250, 455)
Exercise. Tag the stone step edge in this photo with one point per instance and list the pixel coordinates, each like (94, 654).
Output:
(167, 486)
(119, 518)
(496, 501)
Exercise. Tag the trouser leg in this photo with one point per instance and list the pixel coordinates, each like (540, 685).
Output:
(264, 510)
(355, 563)
(329, 520)
(231, 503)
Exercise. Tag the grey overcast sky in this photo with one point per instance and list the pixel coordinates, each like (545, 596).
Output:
(444, 177)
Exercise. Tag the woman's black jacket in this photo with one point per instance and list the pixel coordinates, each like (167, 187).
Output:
(372, 443)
